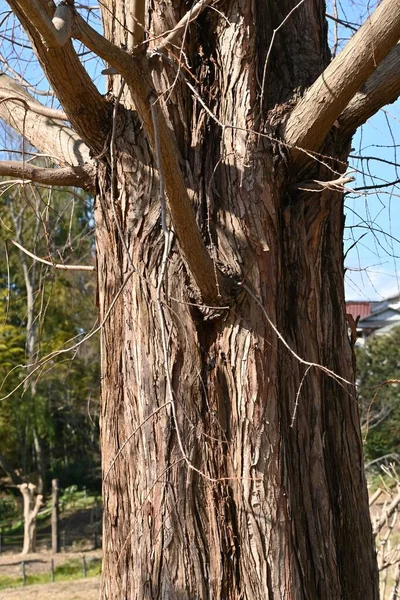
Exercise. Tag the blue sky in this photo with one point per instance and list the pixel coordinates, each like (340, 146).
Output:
(372, 219)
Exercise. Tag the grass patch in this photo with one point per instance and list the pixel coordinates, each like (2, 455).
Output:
(8, 582)
(68, 571)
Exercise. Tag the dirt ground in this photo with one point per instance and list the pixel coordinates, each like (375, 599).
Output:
(81, 589)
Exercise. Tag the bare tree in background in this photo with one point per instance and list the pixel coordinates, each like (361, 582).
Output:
(231, 449)
(31, 501)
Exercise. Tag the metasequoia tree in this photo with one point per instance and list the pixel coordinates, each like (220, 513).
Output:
(230, 438)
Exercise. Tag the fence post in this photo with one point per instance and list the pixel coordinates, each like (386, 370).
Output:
(52, 569)
(84, 571)
(23, 573)
(1, 542)
(63, 540)
(55, 517)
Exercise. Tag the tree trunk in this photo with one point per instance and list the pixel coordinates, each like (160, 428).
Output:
(231, 447)
(32, 504)
(247, 480)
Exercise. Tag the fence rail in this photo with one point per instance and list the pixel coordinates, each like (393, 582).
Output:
(52, 570)
(67, 540)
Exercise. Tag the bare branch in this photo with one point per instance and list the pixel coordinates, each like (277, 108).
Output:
(87, 109)
(387, 514)
(36, 107)
(58, 266)
(62, 22)
(136, 23)
(180, 27)
(135, 72)
(326, 99)
(383, 87)
(46, 135)
(314, 185)
(55, 32)
(341, 22)
(77, 176)
(375, 496)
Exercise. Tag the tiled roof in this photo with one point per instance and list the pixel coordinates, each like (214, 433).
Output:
(359, 309)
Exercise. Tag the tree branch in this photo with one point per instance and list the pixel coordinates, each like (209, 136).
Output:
(386, 514)
(48, 136)
(36, 107)
(180, 27)
(326, 99)
(77, 176)
(383, 87)
(136, 23)
(58, 266)
(55, 32)
(135, 71)
(137, 76)
(87, 110)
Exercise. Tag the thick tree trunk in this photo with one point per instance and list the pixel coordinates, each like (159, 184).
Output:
(247, 482)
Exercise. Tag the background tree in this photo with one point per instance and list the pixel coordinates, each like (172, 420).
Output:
(232, 461)
(378, 366)
(42, 311)
(44, 423)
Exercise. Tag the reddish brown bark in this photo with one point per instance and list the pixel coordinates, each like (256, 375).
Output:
(247, 480)
(281, 490)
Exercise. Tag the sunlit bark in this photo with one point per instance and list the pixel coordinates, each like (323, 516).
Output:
(232, 457)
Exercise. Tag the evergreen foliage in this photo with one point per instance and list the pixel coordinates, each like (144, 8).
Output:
(63, 408)
(379, 362)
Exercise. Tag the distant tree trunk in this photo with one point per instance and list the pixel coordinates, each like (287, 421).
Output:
(40, 458)
(55, 517)
(32, 504)
(30, 280)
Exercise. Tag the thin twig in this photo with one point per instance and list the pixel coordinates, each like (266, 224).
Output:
(58, 266)
(270, 49)
(131, 435)
(296, 403)
(56, 353)
(284, 342)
